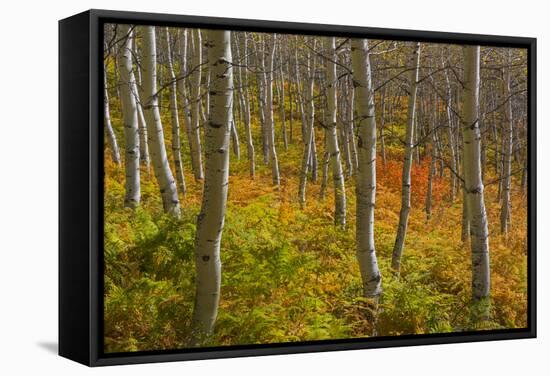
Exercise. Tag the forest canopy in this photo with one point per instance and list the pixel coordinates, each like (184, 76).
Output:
(266, 188)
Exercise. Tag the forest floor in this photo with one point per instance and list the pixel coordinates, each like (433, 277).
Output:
(289, 274)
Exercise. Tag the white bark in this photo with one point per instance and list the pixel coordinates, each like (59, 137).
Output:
(142, 126)
(479, 233)
(243, 81)
(366, 173)
(407, 161)
(308, 134)
(450, 137)
(129, 115)
(193, 133)
(282, 97)
(155, 133)
(211, 218)
(262, 100)
(507, 136)
(111, 137)
(331, 137)
(235, 140)
(269, 123)
(182, 84)
(176, 144)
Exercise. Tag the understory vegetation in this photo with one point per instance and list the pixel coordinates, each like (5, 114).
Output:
(289, 274)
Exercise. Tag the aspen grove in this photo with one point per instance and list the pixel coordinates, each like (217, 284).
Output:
(266, 188)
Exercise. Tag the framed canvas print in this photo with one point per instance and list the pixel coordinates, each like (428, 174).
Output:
(235, 187)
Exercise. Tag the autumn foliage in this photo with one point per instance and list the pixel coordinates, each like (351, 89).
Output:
(288, 273)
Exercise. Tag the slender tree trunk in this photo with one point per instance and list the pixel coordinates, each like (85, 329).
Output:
(382, 124)
(211, 218)
(243, 77)
(262, 100)
(331, 136)
(111, 137)
(433, 158)
(163, 174)
(344, 133)
(282, 97)
(407, 162)
(366, 174)
(129, 114)
(313, 156)
(351, 130)
(142, 126)
(324, 171)
(235, 140)
(182, 85)
(193, 132)
(507, 149)
(308, 135)
(300, 93)
(176, 144)
(479, 233)
(270, 128)
(450, 137)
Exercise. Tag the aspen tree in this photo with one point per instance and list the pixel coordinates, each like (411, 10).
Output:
(193, 133)
(155, 133)
(407, 162)
(242, 76)
(351, 128)
(308, 136)
(382, 124)
(269, 123)
(451, 142)
(281, 95)
(142, 126)
(182, 84)
(211, 218)
(331, 136)
(366, 172)
(235, 139)
(176, 145)
(261, 83)
(111, 137)
(473, 184)
(129, 114)
(507, 136)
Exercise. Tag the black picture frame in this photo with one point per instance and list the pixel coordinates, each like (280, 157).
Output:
(81, 187)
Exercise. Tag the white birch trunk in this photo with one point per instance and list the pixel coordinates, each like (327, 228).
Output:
(450, 137)
(308, 135)
(211, 218)
(331, 137)
(142, 126)
(243, 78)
(479, 233)
(155, 133)
(129, 115)
(351, 130)
(407, 162)
(193, 133)
(235, 140)
(176, 144)
(269, 123)
(111, 137)
(366, 173)
(262, 99)
(182, 86)
(507, 136)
